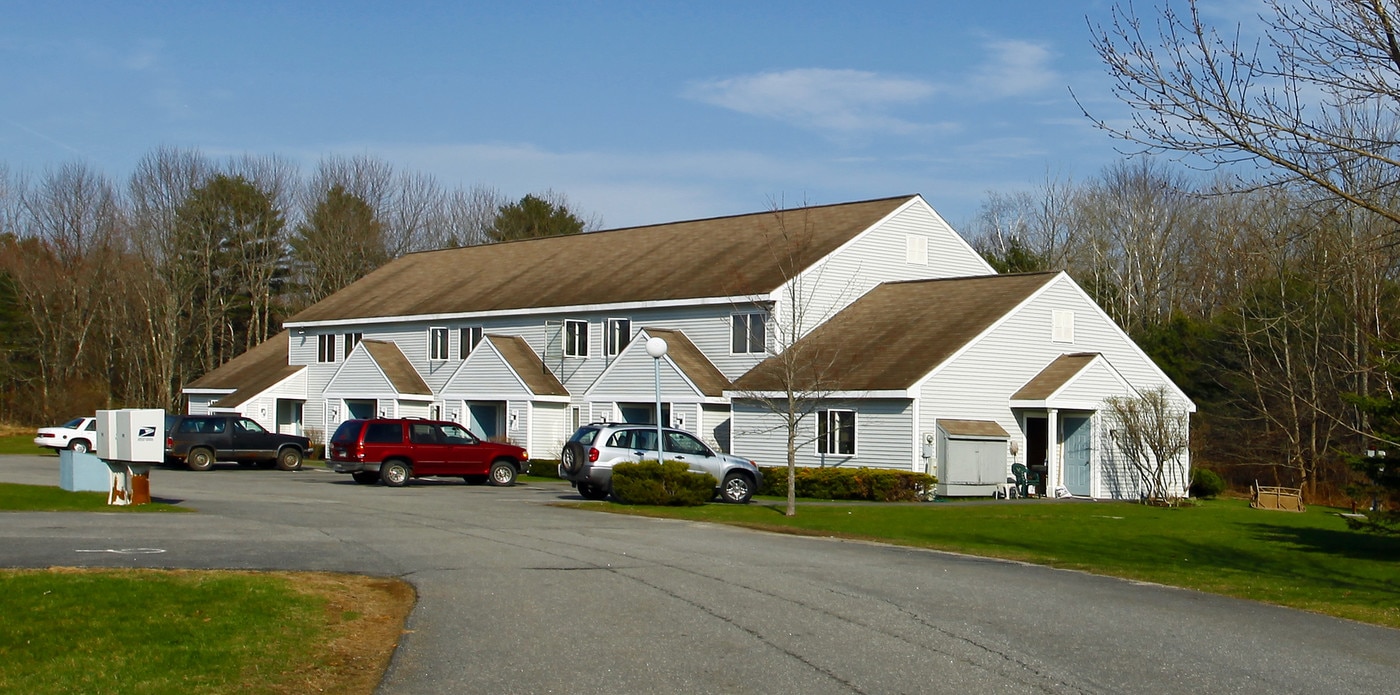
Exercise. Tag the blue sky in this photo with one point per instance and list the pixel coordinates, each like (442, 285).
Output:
(638, 112)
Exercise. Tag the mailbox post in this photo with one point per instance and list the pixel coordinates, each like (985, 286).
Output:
(130, 441)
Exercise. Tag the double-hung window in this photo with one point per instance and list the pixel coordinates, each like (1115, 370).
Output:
(619, 332)
(437, 344)
(351, 340)
(325, 348)
(749, 334)
(468, 340)
(836, 432)
(575, 338)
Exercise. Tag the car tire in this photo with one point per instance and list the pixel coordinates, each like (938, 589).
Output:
(571, 459)
(395, 473)
(502, 473)
(200, 459)
(365, 477)
(80, 446)
(590, 491)
(737, 488)
(289, 459)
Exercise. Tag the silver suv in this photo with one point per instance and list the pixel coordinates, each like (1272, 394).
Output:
(589, 456)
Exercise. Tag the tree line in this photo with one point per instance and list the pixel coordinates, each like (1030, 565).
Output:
(115, 294)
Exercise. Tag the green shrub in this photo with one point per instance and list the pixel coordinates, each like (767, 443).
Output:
(544, 468)
(1206, 483)
(667, 485)
(871, 484)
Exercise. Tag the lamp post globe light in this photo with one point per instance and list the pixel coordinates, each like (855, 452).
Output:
(656, 347)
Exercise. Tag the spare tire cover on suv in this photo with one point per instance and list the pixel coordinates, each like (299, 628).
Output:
(572, 457)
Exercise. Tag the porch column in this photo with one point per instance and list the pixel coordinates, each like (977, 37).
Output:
(1052, 454)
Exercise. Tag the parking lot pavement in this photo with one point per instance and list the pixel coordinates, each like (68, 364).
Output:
(516, 595)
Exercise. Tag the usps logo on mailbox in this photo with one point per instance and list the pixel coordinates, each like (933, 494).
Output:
(145, 433)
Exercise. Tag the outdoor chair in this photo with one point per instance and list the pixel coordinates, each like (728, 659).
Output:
(1025, 480)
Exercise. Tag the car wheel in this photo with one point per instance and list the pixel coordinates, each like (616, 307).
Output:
(572, 457)
(80, 446)
(289, 459)
(502, 473)
(365, 477)
(737, 488)
(200, 459)
(589, 491)
(395, 473)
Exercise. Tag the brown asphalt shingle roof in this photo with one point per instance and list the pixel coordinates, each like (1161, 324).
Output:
(517, 353)
(693, 363)
(717, 257)
(1054, 376)
(250, 373)
(972, 428)
(397, 368)
(896, 334)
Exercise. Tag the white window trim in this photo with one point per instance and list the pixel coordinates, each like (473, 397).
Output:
(824, 415)
(351, 340)
(1062, 326)
(433, 355)
(569, 350)
(474, 335)
(326, 346)
(748, 332)
(610, 350)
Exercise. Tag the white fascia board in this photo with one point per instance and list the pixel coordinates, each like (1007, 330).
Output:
(919, 383)
(519, 398)
(415, 397)
(825, 396)
(207, 392)
(538, 311)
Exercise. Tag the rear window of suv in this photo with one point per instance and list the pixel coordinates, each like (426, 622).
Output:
(347, 433)
(585, 435)
(384, 433)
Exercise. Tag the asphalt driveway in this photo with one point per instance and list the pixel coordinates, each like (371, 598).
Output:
(516, 595)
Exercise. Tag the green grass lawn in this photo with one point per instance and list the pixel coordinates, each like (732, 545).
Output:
(42, 498)
(151, 631)
(1309, 561)
(24, 444)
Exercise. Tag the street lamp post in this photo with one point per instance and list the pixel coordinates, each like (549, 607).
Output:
(656, 347)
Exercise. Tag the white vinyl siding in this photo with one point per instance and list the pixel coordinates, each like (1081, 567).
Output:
(884, 432)
(484, 376)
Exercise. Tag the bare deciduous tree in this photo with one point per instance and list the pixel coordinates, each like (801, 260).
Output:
(1151, 431)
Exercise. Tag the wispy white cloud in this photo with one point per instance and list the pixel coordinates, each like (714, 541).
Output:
(1013, 68)
(845, 101)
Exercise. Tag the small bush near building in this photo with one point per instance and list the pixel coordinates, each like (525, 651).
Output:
(870, 484)
(544, 468)
(669, 485)
(1206, 483)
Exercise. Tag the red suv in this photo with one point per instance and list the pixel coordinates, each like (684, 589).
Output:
(393, 451)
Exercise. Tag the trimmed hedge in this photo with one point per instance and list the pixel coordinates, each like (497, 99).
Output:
(870, 484)
(669, 485)
(544, 468)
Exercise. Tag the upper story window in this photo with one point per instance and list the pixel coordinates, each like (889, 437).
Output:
(916, 249)
(325, 348)
(749, 333)
(468, 340)
(351, 340)
(836, 432)
(575, 338)
(1062, 326)
(619, 333)
(437, 343)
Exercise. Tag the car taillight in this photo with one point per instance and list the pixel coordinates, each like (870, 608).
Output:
(170, 442)
(592, 455)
